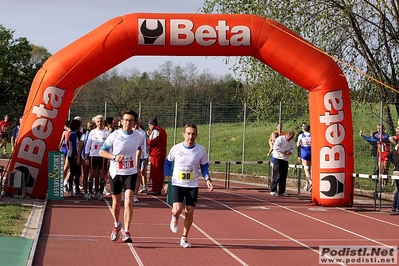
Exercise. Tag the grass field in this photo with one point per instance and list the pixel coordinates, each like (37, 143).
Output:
(13, 218)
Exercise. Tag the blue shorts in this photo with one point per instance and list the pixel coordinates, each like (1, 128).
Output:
(64, 150)
(306, 153)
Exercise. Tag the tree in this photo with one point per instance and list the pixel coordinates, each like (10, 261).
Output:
(19, 63)
(362, 33)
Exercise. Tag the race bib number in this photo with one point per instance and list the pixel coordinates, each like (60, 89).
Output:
(185, 175)
(126, 164)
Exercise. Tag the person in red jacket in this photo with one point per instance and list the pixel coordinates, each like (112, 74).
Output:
(4, 129)
(157, 141)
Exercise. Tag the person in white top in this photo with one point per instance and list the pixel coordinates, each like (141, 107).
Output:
(122, 147)
(187, 157)
(143, 161)
(98, 165)
(282, 149)
(304, 145)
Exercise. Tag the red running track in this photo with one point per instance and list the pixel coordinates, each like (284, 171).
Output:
(231, 227)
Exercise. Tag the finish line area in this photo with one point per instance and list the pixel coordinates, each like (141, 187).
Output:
(233, 227)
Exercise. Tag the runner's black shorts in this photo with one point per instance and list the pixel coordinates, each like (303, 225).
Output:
(188, 193)
(117, 183)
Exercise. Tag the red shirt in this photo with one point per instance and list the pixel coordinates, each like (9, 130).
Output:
(157, 142)
(4, 127)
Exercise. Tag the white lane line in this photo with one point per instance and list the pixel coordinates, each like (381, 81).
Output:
(314, 218)
(132, 250)
(156, 239)
(210, 238)
(269, 227)
(369, 217)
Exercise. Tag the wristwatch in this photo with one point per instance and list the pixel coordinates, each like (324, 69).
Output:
(113, 158)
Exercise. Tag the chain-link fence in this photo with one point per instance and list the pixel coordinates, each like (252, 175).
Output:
(246, 134)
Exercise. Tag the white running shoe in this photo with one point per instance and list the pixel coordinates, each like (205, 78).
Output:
(143, 190)
(174, 223)
(115, 232)
(273, 193)
(107, 192)
(184, 243)
(135, 199)
(127, 238)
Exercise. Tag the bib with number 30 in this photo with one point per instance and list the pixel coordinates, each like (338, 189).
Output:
(126, 164)
(185, 175)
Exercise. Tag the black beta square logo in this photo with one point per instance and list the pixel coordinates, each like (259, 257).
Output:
(151, 31)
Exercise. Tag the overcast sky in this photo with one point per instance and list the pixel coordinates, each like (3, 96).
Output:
(56, 23)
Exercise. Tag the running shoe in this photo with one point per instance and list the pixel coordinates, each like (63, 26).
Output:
(70, 194)
(174, 223)
(115, 232)
(143, 190)
(274, 193)
(135, 199)
(107, 192)
(127, 238)
(184, 243)
(283, 195)
(100, 197)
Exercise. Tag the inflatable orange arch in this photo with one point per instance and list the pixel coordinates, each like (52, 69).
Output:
(198, 35)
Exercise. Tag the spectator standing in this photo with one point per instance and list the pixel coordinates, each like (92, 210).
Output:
(64, 151)
(279, 130)
(157, 142)
(72, 140)
(81, 159)
(122, 147)
(393, 157)
(276, 133)
(374, 146)
(4, 129)
(143, 159)
(304, 145)
(98, 164)
(282, 149)
(273, 138)
(381, 143)
(14, 134)
(116, 124)
(187, 157)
